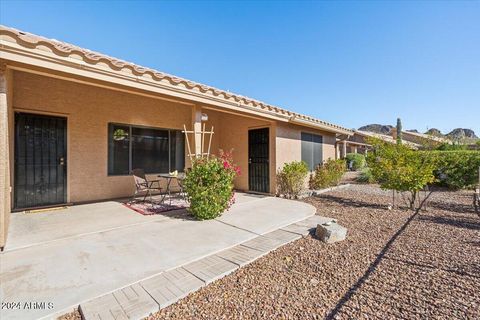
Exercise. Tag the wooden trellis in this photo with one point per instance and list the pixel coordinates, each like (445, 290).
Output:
(202, 134)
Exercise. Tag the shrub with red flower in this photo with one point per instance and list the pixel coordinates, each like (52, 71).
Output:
(227, 160)
(209, 185)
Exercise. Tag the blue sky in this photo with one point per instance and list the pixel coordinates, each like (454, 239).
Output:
(350, 63)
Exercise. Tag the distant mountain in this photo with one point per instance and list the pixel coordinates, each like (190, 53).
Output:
(434, 132)
(377, 128)
(467, 135)
(460, 133)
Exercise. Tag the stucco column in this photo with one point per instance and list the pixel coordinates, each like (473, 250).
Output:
(197, 127)
(355, 149)
(4, 159)
(344, 149)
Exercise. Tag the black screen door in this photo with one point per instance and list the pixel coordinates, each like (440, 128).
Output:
(258, 162)
(40, 160)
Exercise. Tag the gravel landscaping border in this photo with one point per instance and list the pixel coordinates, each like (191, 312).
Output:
(394, 264)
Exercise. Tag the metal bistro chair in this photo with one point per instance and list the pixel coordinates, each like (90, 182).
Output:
(144, 185)
(180, 178)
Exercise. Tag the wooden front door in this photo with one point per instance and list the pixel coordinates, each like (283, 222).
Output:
(40, 161)
(258, 160)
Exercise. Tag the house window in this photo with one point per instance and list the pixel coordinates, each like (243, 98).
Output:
(154, 150)
(312, 152)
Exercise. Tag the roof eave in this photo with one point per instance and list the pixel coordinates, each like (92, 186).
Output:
(13, 52)
(80, 61)
(321, 126)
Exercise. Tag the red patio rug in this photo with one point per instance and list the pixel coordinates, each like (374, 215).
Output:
(148, 209)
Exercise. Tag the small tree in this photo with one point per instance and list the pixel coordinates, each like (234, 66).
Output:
(399, 168)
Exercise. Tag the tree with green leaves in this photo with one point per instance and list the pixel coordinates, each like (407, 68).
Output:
(402, 169)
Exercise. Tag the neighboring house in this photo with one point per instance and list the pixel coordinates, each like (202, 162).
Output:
(359, 142)
(73, 123)
(421, 139)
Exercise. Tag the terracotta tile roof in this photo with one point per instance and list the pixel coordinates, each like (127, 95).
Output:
(385, 138)
(64, 49)
(424, 136)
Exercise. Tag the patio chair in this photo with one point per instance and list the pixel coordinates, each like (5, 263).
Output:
(144, 185)
(180, 178)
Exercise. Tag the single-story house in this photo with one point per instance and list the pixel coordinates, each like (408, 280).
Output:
(74, 123)
(359, 142)
(421, 139)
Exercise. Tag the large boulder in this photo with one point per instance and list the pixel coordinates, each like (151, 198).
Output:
(331, 232)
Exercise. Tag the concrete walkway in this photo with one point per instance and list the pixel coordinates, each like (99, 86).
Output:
(145, 297)
(82, 257)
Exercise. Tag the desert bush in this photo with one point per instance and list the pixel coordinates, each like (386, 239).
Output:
(209, 185)
(366, 176)
(328, 174)
(291, 179)
(358, 160)
(397, 167)
(456, 169)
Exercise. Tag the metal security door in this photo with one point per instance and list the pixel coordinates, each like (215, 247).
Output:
(258, 160)
(40, 161)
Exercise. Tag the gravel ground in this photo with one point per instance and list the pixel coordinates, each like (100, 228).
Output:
(394, 264)
(350, 177)
(74, 315)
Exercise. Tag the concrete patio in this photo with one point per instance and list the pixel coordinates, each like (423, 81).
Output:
(71, 256)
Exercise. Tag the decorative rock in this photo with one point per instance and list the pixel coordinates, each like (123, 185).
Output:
(331, 232)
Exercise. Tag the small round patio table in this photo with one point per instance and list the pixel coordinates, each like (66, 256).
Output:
(170, 177)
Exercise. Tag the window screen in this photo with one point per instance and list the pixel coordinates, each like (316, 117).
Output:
(312, 152)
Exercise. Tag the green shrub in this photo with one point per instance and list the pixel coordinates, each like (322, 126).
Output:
(366, 176)
(449, 147)
(328, 174)
(357, 160)
(291, 179)
(456, 169)
(209, 186)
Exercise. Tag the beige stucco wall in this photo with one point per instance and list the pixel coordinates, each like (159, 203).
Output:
(289, 143)
(5, 182)
(234, 135)
(89, 110)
